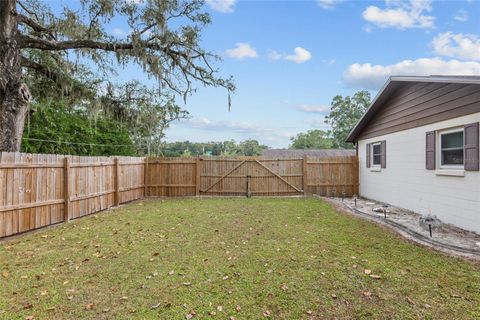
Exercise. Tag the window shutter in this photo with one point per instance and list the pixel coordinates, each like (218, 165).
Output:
(369, 152)
(383, 150)
(430, 150)
(471, 147)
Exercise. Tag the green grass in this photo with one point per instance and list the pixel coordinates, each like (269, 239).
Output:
(289, 258)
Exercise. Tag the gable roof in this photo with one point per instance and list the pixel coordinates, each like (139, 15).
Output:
(392, 84)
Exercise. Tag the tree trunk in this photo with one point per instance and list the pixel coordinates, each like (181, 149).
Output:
(14, 95)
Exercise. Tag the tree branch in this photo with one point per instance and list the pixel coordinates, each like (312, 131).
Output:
(27, 63)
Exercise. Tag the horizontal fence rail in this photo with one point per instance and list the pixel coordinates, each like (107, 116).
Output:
(38, 190)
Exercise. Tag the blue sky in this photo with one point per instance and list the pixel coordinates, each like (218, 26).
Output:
(290, 58)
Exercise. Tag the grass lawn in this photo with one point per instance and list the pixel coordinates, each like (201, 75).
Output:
(289, 258)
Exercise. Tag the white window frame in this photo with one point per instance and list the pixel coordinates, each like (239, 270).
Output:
(372, 164)
(441, 166)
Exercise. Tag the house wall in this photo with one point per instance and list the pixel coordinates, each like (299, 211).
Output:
(407, 184)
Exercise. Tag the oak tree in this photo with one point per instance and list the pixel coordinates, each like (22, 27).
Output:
(163, 39)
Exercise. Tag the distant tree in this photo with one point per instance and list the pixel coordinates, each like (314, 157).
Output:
(313, 139)
(250, 148)
(345, 113)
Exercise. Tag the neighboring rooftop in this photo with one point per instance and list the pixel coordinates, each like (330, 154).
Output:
(393, 83)
(300, 153)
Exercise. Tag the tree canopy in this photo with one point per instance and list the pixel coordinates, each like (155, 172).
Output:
(313, 139)
(345, 113)
(58, 51)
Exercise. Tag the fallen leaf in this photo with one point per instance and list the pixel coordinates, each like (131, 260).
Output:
(5, 274)
(367, 294)
(334, 296)
(43, 292)
(29, 317)
(171, 272)
(219, 308)
(187, 283)
(89, 306)
(124, 298)
(284, 287)
(27, 305)
(410, 301)
(309, 312)
(367, 271)
(232, 318)
(374, 276)
(238, 308)
(105, 310)
(267, 313)
(191, 314)
(155, 306)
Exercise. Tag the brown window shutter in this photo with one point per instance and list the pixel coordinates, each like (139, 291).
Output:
(471, 147)
(383, 150)
(430, 150)
(369, 153)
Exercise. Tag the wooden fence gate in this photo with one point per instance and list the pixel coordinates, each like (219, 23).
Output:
(250, 176)
(326, 176)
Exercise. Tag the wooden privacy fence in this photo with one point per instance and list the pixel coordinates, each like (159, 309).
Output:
(38, 190)
(173, 177)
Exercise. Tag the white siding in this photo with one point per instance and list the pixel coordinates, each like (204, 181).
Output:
(407, 184)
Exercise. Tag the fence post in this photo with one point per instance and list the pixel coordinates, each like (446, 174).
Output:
(145, 178)
(305, 184)
(66, 189)
(197, 178)
(117, 182)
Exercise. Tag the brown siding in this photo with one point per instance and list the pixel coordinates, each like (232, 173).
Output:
(417, 104)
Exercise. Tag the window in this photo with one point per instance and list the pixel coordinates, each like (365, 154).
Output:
(451, 149)
(376, 154)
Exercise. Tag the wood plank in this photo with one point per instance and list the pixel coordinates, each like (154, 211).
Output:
(66, 190)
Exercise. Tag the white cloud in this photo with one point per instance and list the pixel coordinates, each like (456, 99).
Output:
(457, 45)
(300, 55)
(308, 108)
(242, 50)
(328, 4)
(401, 14)
(224, 6)
(461, 15)
(246, 130)
(274, 55)
(371, 76)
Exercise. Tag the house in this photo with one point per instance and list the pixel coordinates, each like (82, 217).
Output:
(418, 147)
(300, 153)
